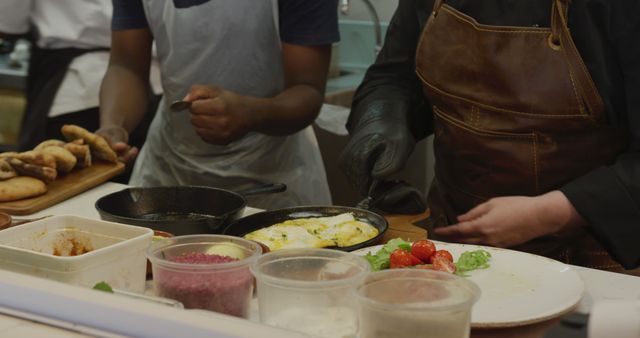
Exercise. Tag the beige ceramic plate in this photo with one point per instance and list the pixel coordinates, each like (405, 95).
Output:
(518, 288)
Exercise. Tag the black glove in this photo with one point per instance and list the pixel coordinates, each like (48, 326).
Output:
(397, 197)
(380, 144)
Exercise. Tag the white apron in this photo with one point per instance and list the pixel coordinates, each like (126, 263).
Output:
(233, 44)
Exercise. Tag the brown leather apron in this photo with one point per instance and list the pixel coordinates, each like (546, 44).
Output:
(516, 113)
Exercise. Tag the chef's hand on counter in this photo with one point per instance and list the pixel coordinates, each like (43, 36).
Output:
(219, 116)
(380, 144)
(118, 138)
(513, 220)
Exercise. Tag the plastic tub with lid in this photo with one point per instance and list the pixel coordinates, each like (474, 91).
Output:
(78, 251)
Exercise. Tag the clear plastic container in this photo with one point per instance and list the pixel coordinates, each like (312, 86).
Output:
(209, 272)
(413, 303)
(78, 251)
(309, 290)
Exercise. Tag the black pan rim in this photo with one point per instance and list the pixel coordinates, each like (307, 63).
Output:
(103, 212)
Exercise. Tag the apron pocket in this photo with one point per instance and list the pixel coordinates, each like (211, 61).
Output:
(484, 163)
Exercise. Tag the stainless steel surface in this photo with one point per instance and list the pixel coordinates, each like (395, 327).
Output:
(14, 67)
(177, 106)
(344, 7)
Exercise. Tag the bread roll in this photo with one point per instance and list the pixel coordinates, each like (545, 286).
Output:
(100, 148)
(37, 157)
(8, 154)
(81, 153)
(26, 169)
(6, 170)
(65, 161)
(49, 143)
(21, 187)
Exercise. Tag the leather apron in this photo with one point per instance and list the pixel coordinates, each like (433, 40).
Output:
(516, 113)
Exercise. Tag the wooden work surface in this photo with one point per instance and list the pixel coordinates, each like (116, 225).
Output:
(65, 187)
(404, 226)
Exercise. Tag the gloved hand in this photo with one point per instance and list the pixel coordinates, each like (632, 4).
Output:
(397, 197)
(380, 144)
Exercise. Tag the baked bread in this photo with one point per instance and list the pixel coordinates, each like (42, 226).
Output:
(65, 161)
(8, 154)
(44, 173)
(6, 170)
(81, 152)
(49, 143)
(37, 157)
(21, 187)
(100, 148)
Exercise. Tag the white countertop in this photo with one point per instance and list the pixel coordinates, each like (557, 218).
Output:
(599, 285)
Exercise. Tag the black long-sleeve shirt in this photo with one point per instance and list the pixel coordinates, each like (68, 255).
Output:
(607, 35)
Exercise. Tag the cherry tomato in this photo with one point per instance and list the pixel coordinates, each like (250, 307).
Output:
(443, 264)
(402, 258)
(444, 254)
(423, 249)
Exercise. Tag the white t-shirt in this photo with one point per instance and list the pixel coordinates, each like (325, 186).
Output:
(64, 24)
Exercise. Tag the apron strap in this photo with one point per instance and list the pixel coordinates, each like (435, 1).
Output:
(560, 39)
(436, 7)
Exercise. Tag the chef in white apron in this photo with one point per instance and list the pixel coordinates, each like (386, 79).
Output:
(234, 45)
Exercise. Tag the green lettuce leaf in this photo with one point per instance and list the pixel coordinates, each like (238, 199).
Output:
(472, 260)
(380, 260)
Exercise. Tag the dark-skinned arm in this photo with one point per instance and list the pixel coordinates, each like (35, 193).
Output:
(295, 108)
(125, 88)
(221, 116)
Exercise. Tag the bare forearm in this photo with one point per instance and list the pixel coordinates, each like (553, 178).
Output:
(123, 98)
(290, 111)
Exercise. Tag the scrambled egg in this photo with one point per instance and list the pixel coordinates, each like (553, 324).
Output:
(316, 232)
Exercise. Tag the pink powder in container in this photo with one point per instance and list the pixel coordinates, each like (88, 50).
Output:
(184, 270)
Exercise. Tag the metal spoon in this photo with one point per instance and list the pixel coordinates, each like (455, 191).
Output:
(366, 202)
(177, 106)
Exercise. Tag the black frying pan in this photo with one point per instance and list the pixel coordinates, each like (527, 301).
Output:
(181, 210)
(264, 219)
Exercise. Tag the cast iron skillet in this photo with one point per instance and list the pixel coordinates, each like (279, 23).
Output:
(181, 210)
(264, 219)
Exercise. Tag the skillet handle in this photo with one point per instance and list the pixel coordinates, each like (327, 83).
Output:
(268, 188)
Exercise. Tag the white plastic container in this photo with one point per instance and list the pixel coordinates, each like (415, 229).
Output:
(79, 251)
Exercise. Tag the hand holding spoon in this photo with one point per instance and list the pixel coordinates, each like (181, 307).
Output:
(180, 105)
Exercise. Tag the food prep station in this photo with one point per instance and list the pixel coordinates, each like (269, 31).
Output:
(40, 306)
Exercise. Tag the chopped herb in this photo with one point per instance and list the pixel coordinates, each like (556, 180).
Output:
(103, 286)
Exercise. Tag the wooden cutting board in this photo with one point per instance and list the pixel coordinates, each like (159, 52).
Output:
(406, 227)
(64, 188)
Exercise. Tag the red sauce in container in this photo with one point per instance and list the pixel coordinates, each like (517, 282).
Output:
(226, 291)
